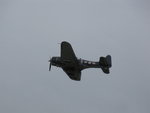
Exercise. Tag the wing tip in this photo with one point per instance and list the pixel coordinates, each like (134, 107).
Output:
(65, 42)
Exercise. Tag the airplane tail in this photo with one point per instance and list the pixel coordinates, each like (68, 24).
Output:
(105, 63)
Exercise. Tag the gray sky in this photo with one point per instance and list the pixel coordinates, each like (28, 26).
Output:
(30, 31)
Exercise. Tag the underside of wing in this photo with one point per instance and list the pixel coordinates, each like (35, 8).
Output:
(71, 67)
(67, 53)
(74, 75)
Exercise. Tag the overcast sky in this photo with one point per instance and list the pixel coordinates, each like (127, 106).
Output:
(30, 31)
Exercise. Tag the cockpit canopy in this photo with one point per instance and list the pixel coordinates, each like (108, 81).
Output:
(82, 61)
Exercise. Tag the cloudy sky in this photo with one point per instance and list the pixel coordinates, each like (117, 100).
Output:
(30, 31)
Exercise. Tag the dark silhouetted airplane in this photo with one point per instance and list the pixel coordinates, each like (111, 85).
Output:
(73, 66)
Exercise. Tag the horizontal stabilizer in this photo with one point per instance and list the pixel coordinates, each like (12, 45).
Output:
(105, 70)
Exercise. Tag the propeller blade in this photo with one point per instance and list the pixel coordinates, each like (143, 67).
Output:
(50, 65)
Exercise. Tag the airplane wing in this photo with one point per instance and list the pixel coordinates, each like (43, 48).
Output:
(74, 75)
(67, 54)
(71, 67)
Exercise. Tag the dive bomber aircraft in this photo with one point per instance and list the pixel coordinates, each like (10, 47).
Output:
(73, 66)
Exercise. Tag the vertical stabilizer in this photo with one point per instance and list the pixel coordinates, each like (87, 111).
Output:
(108, 59)
(105, 63)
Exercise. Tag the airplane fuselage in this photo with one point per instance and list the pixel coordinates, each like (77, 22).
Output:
(82, 64)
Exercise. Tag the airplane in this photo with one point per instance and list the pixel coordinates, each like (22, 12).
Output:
(73, 66)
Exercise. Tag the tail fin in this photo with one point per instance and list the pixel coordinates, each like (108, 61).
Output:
(108, 59)
(105, 63)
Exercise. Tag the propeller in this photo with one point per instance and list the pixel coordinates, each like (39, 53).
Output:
(50, 64)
